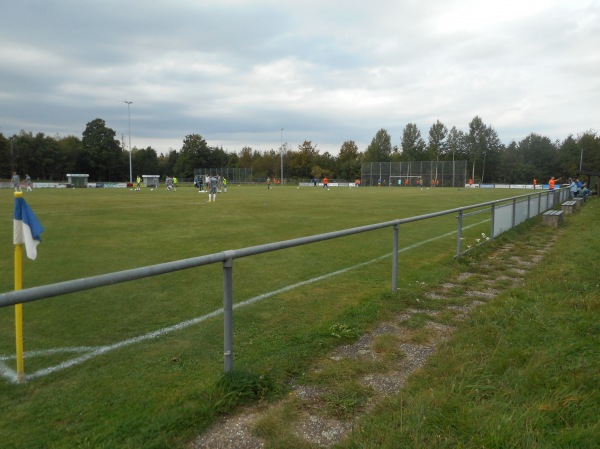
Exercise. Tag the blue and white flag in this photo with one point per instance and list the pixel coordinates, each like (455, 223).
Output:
(27, 228)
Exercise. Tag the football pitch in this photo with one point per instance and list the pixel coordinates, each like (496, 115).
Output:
(142, 354)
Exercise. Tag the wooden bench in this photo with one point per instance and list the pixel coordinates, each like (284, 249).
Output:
(553, 218)
(569, 207)
(579, 201)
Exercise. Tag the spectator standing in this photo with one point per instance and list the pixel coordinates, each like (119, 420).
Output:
(573, 189)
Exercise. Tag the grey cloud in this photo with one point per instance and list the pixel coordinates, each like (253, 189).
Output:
(326, 71)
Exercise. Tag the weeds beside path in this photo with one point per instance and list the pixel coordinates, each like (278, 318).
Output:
(520, 371)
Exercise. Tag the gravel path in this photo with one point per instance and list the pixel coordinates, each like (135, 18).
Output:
(506, 271)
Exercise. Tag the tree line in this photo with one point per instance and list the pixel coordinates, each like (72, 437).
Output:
(99, 154)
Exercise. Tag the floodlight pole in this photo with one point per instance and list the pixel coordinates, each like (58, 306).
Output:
(129, 117)
(282, 183)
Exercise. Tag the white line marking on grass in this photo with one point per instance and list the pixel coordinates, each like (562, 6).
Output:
(43, 352)
(9, 374)
(90, 352)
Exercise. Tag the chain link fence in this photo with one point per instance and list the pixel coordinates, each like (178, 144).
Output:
(415, 174)
(233, 175)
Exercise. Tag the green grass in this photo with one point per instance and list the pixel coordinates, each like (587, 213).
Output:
(162, 392)
(523, 372)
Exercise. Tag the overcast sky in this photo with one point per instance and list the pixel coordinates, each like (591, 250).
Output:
(325, 71)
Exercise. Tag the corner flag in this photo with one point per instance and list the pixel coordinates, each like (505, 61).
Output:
(27, 228)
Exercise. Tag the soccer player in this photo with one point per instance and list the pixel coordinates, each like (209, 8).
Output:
(15, 180)
(29, 183)
(212, 193)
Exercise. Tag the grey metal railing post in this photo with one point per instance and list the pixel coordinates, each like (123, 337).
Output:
(514, 213)
(395, 260)
(459, 233)
(228, 314)
(493, 220)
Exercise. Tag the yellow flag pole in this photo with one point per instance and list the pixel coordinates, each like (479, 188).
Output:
(19, 308)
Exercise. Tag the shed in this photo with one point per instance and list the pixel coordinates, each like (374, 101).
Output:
(593, 179)
(151, 180)
(77, 180)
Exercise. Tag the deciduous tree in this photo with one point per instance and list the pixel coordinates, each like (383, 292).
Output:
(437, 140)
(349, 161)
(302, 161)
(380, 148)
(103, 151)
(413, 145)
(194, 154)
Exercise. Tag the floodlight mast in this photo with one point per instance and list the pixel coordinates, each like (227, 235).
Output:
(129, 117)
(282, 183)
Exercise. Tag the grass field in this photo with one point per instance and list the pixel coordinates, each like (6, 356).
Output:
(160, 392)
(523, 372)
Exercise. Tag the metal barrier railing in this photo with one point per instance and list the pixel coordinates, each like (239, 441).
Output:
(546, 200)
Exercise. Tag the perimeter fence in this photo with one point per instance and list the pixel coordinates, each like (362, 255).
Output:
(503, 214)
(409, 174)
(233, 175)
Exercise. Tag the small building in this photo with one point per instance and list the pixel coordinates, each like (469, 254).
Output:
(151, 180)
(593, 180)
(77, 180)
